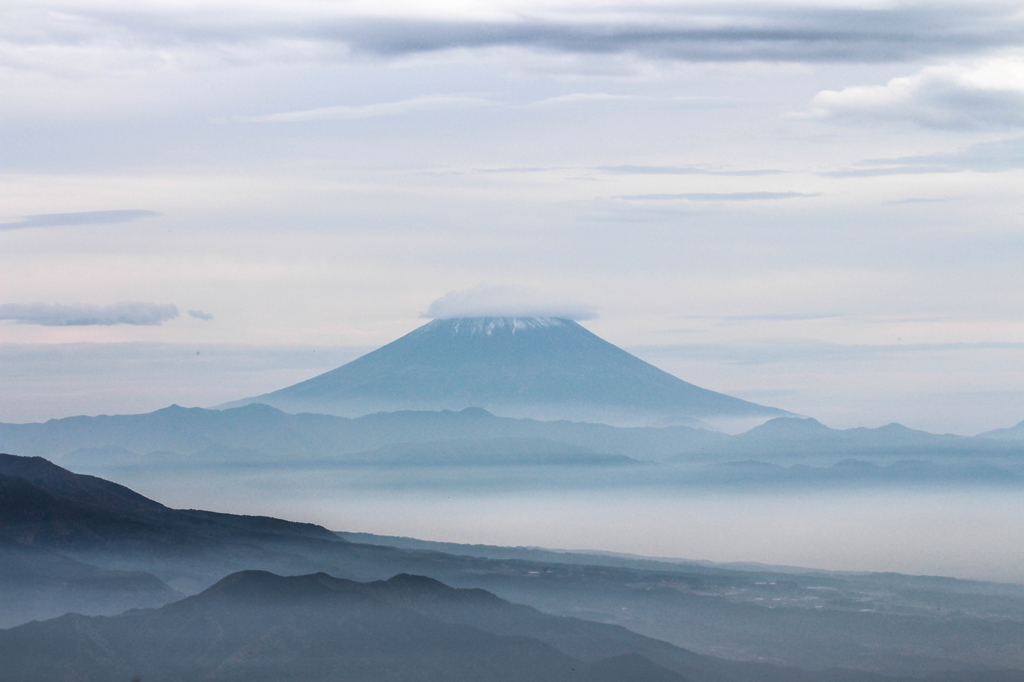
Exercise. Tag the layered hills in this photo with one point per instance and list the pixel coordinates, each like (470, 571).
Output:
(261, 435)
(255, 625)
(93, 540)
(542, 368)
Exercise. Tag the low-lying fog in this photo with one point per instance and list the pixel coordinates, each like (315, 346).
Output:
(966, 530)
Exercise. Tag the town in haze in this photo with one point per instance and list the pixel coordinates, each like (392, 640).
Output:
(503, 341)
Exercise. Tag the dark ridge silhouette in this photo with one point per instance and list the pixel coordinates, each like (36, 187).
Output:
(77, 488)
(44, 504)
(255, 625)
(543, 368)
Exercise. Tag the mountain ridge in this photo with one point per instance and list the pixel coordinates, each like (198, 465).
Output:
(260, 435)
(1015, 432)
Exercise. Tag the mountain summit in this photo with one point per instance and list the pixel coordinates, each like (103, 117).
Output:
(537, 367)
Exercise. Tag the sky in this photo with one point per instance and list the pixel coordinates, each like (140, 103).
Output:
(816, 205)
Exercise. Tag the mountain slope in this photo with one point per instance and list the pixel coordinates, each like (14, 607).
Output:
(43, 504)
(881, 623)
(177, 437)
(545, 368)
(1015, 432)
(255, 433)
(258, 626)
(40, 583)
(254, 626)
(789, 438)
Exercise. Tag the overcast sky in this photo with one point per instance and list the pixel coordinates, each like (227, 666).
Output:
(816, 205)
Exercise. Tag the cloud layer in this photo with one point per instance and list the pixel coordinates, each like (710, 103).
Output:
(83, 218)
(51, 315)
(485, 300)
(677, 32)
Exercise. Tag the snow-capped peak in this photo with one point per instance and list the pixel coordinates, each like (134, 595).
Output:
(487, 326)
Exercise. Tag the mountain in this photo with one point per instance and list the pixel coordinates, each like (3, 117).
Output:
(74, 542)
(791, 438)
(259, 435)
(1012, 433)
(36, 583)
(254, 625)
(542, 368)
(45, 505)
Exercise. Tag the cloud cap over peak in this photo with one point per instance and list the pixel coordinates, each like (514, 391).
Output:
(488, 300)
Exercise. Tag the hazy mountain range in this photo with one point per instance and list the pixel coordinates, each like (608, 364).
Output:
(255, 625)
(82, 543)
(261, 435)
(543, 368)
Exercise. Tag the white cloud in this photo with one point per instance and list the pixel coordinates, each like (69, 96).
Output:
(200, 315)
(53, 315)
(959, 95)
(487, 300)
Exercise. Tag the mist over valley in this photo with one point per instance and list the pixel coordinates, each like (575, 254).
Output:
(511, 340)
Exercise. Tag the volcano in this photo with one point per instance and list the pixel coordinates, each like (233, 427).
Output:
(538, 367)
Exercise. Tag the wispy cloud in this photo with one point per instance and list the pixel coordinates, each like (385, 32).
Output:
(790, 350)
(82, 218)
(346, 112)
(985, 157)
(579, 98)
(350, 113)
(200, 315)
(719, 196)
(685, 170)
(52, 315)
(519, 169)
(771, 317)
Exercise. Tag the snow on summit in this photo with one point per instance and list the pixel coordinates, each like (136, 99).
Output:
(490, 325)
